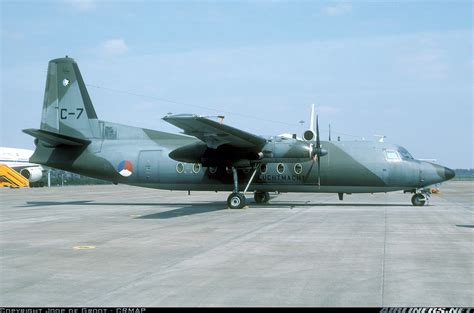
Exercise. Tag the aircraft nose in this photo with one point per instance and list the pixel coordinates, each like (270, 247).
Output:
(433, 173)
(448, 173)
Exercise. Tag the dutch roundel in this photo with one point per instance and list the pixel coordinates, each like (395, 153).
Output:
(125, 168)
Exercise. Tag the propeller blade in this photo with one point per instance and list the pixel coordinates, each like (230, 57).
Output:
(309, 171)
(319, 172)
(318, 143)
(318, 151)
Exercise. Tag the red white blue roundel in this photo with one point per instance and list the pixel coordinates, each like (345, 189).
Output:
(125, 168)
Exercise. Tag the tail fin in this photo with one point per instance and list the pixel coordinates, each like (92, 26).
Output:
(67, 107)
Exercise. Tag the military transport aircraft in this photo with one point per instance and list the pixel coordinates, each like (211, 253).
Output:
(213, 156)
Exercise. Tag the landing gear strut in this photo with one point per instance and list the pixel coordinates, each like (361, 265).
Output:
(236, 200)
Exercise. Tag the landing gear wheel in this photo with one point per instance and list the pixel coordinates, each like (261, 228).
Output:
(418, 199)
(261, 197)
(236, 201)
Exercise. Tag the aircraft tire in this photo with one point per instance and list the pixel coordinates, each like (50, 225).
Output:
(261, 197)
(418, 199)
(236, 201)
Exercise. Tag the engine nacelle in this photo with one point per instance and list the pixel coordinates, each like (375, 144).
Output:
(280, 149)
(286, 151)
(222, 156)
(309, 135)
(33, 174)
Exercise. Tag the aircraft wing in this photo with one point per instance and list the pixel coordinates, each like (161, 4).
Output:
(213, 133)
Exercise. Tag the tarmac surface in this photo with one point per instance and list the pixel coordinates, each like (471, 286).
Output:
(128, 246)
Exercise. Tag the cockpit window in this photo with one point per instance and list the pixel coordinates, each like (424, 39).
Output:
(392, 155)
(405, 154)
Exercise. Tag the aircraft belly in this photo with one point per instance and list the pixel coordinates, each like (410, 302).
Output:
(271, 188)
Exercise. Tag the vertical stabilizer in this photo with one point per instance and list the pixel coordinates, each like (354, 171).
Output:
(67, 107)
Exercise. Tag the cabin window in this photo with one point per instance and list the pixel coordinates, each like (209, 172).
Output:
(179, 167)
(196, 168)
(392, 155)
(263, 168)
(280, 168)
(405, 154)
(298, 168)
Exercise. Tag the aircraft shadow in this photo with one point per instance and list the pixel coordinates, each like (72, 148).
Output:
(183, 210)
(93, 203)
(187, 209)
(213, 207)
(204, 204)
(348, 204)
(466, 226)
(30, 204)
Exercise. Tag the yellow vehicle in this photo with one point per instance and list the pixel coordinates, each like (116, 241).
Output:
(11, 178)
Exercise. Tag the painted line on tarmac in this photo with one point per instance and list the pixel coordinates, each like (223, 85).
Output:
(83, 247)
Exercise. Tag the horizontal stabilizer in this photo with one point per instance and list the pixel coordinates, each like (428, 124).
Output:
(54, 139)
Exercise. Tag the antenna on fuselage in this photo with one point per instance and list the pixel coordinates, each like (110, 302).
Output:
(219, 117)
(311, 125)
(381, 137)
(329, 132)
(318, 151)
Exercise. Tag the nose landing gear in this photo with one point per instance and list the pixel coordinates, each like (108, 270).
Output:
(420, 198)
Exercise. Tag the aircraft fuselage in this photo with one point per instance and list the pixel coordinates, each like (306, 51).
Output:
(348, 167)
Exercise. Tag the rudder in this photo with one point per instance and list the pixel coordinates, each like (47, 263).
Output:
(67, 107)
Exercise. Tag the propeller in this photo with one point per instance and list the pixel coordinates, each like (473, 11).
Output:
(315, 147)
(311, 134)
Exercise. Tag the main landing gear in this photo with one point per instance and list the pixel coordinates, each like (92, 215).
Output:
(261, 197)
(236, 200)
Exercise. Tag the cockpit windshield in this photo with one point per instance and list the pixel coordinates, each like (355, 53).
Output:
(405, 154)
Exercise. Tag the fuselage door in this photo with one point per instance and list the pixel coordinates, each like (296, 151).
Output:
(148, 166)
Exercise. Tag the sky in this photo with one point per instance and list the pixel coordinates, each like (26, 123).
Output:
(403, 69)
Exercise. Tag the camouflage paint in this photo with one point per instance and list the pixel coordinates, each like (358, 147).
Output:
(348, 167)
